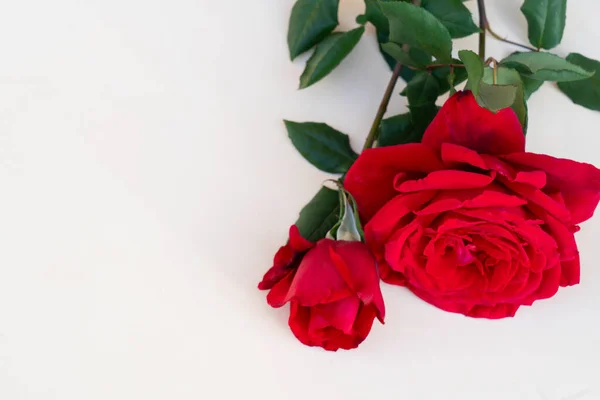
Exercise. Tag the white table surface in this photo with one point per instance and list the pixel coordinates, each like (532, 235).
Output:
(147, 180)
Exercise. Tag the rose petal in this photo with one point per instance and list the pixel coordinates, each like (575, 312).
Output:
(388, 275)
(355, 264)
(364, 322)
(297, 242)
(582, 204)
(498, 252)
(394, 246)
(298, 322)
(277, 297)
(498, 311)
(560, 232)
(570, 264)
(500, 277)
(463, 122)
(370, 179)
(285, 256)
(340, 314)
(501, 167)
(492, 198)
(419, 278)
(547, 287)
(469, 309)
(578, 182)
(537, 179)
(447, 179)
(317, 279)
(453, 154)
(563, 174)
(570, 272)
(281, 267)
(335, 340)
(448, 275)
(440, 206)
(381, 226)
(539, 198)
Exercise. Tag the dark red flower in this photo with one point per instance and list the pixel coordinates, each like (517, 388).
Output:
(334, 294)
(467, 219)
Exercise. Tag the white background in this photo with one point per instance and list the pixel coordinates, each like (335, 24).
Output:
(147, 179)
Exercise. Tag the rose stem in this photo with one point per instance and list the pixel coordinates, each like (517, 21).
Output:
(374, 132)
(484, 25)
(382, 107)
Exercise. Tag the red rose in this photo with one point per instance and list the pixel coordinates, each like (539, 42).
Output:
(468, 220)
(333, 292)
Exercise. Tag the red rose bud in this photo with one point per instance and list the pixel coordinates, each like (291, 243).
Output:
(333, 288)
(334, 295)
(467, 219)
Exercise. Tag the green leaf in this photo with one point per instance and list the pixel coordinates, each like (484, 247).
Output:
(474, 68)
(507, 76)
(546, 21)
(420, 57)
(545, 67)
(389, 60)
(423, 89)
(374, 15)
(319, 215)
(451, 79)
(328, 55)
(530, 86)
(324, 147)
(399, 54)
(422, 92)
(417, 27)
(395, 130)
(422, 117)
(586, 93)
(496, 97)
(454, 15)
(405, 73)
(402, 129)
(311, 21)
(442, 73)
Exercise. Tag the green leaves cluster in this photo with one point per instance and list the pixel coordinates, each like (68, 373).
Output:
(420, 38)
(519, 75)
(429, 29)
(546, 21)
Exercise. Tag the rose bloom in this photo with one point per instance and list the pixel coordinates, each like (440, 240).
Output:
(333, 290)
(468, 220)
